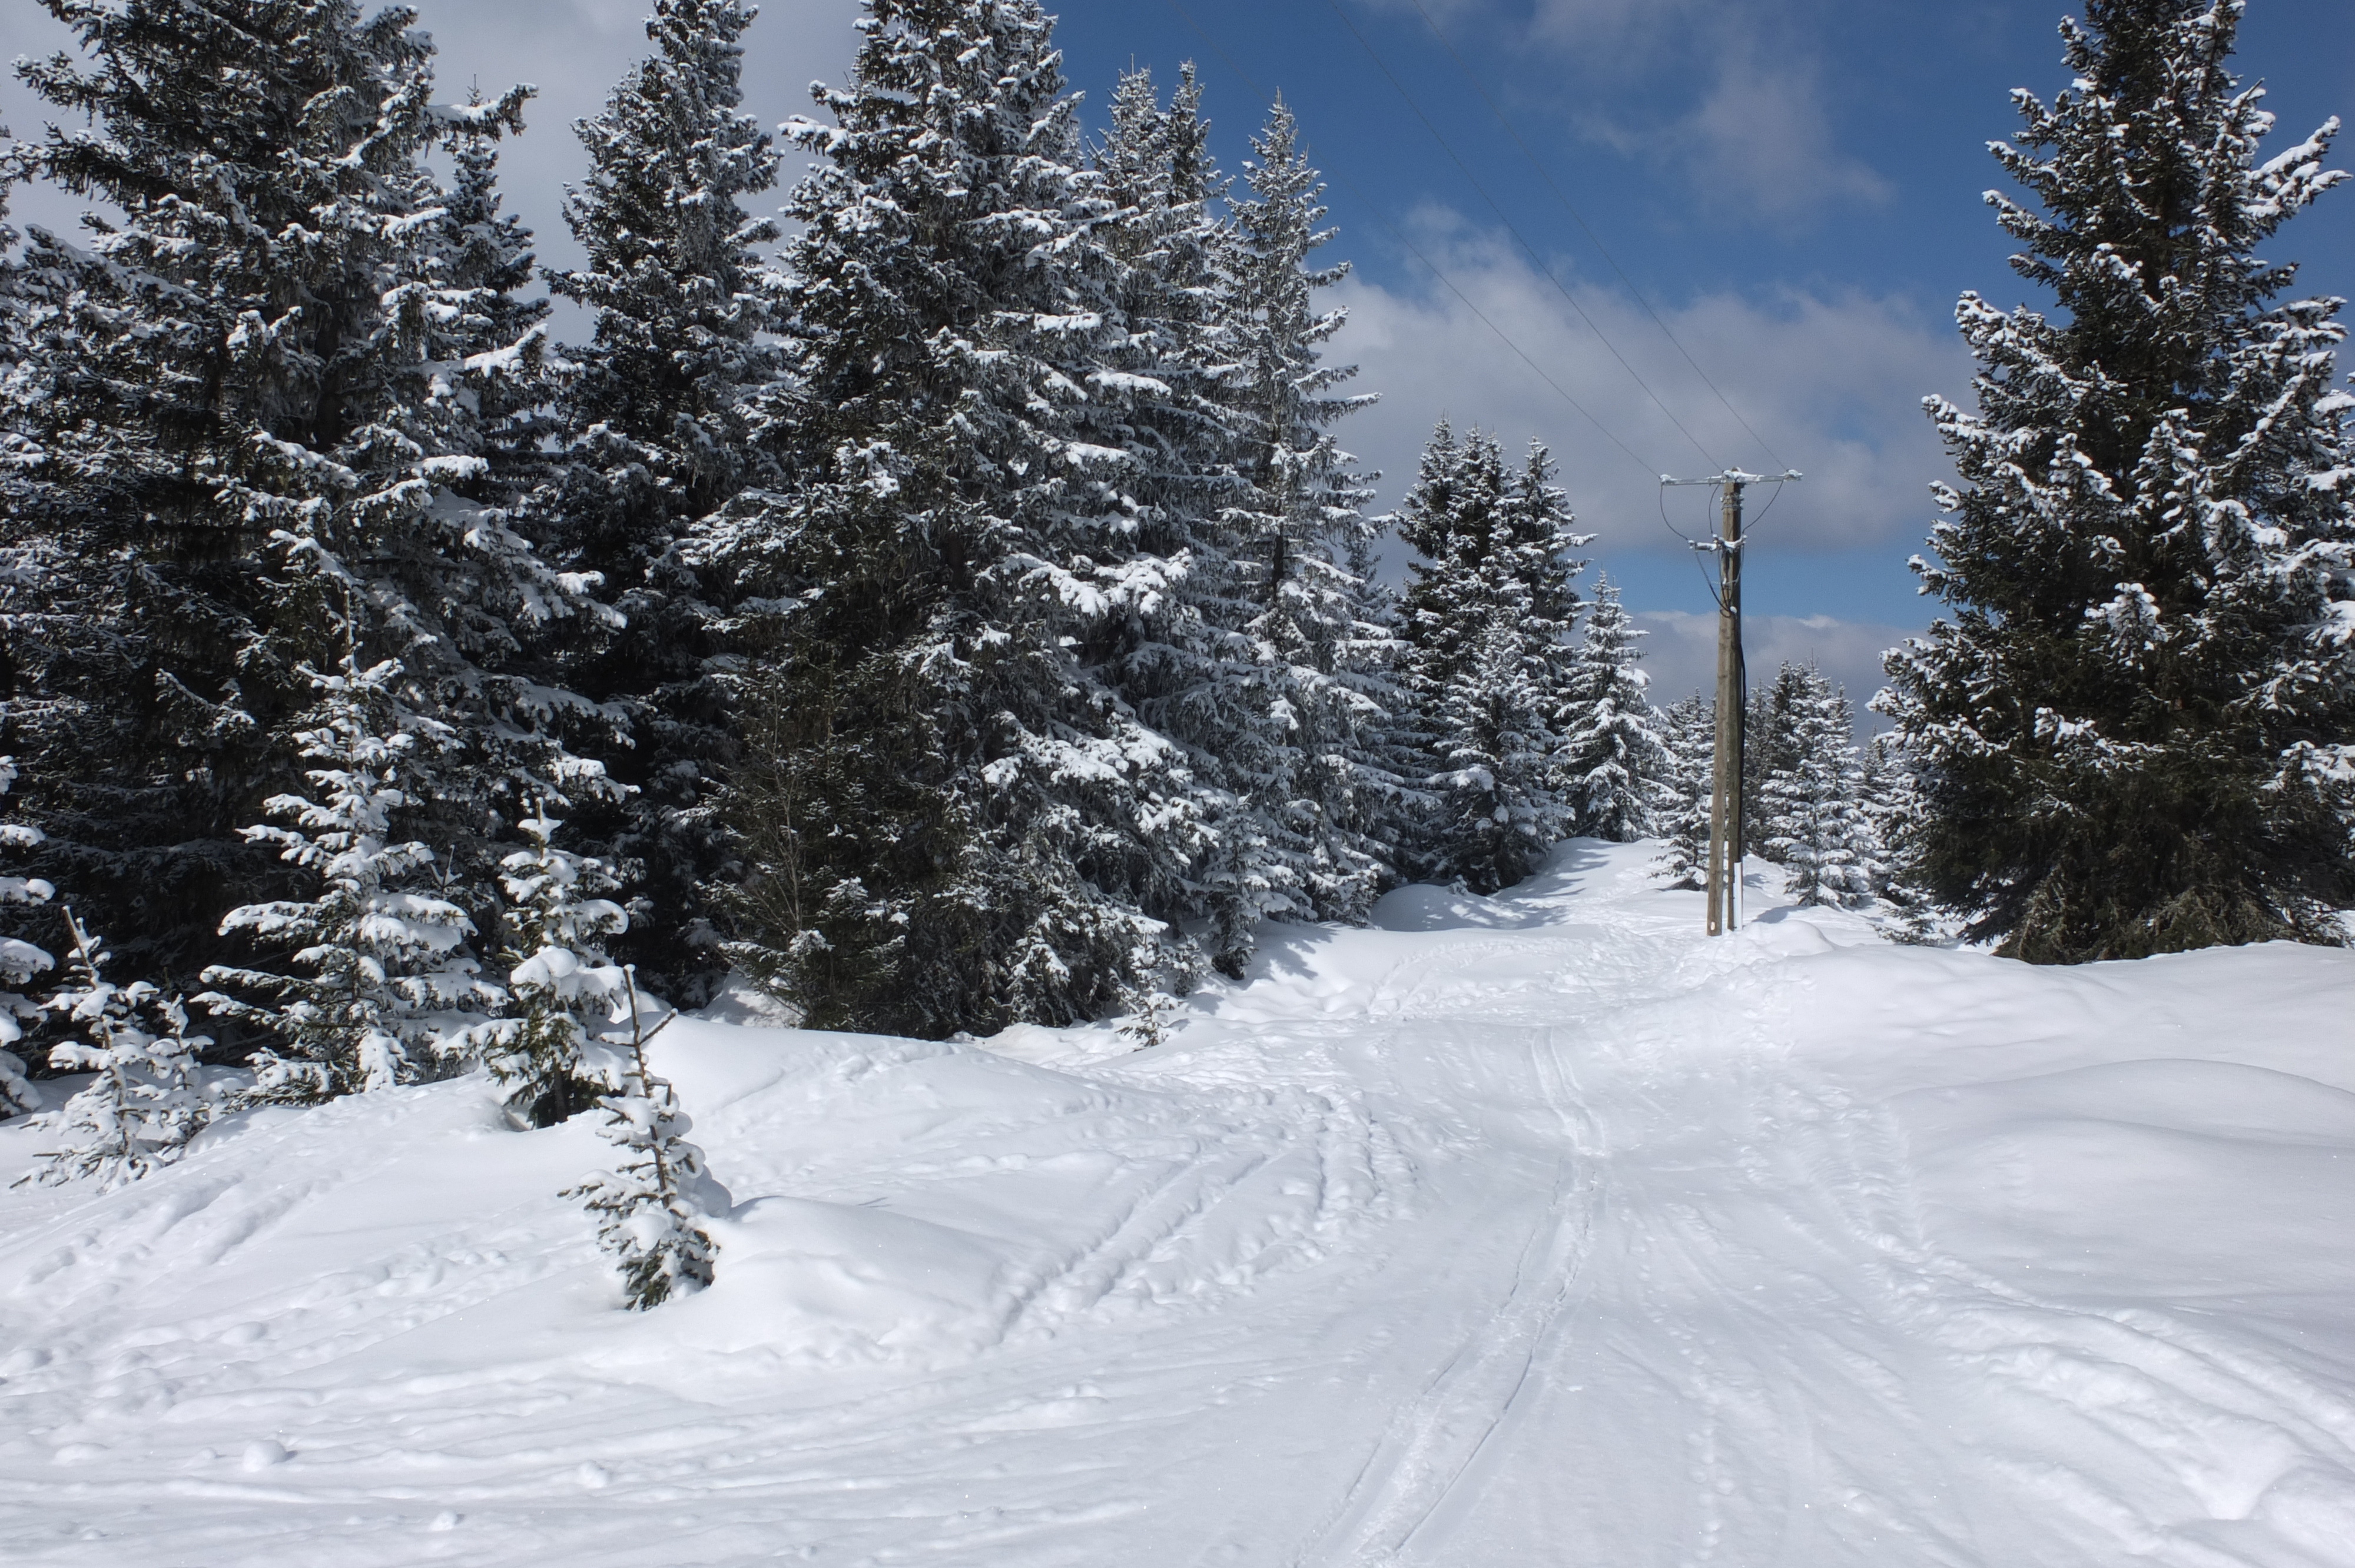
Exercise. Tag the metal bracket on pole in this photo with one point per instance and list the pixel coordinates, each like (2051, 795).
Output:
(1725, 813)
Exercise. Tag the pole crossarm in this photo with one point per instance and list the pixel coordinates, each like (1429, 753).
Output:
(1735, 476)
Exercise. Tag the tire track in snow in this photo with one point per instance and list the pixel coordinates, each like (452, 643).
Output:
(1432, 1444)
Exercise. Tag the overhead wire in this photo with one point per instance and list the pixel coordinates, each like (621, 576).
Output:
(1510, 228)
(1584, 227)
(1650, 471)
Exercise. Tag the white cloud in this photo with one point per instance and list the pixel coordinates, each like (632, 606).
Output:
(1832, 382)
(1756, 140)
(1761, 144)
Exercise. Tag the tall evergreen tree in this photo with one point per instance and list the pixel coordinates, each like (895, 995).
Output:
(1489, 663)
(1301, 530)
(2133, 736)
(1614, 766)
(1691, 728)
(259, 416)
(948, 811)
(1771, 747)
(1813, 807)
(1178, 656)
(658, 430)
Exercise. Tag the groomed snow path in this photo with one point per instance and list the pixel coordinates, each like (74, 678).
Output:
(1533, 1230)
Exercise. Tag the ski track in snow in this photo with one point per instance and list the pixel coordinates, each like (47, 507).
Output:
(1536, 1229)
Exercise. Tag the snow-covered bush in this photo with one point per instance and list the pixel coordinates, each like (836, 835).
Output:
(19, 962)
(143, 1107)
(651, 1211)
(561, 985)
(386, 979)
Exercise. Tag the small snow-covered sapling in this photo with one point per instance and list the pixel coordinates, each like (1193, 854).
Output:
(19, 962)
(143, 1107)
(389, 978)
(649, 1216)
(560, 982)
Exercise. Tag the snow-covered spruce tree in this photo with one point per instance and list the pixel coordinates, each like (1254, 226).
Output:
(1489, 663)
(1300, 531)
(2133, 735)
(141, 1104)
(252, 405)
(1813, 807)
(652, 1210)
(1615, 767)
(656, 433)
(19, 960)
(384, 981)
(949, 816)
(1185, 658)
(1689, 730)
(1892, 806)
(1769, 747)
(561, 985)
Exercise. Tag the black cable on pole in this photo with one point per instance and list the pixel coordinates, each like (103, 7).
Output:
(1510, 228)
(1585, 228)
(1416, 251)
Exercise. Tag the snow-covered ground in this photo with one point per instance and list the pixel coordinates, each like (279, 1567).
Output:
(1530, 1230)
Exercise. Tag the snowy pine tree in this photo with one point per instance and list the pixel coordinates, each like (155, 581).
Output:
(261, 400)
(1300, 532)
(1489, 663)
(384, 981)
(1614, 765)
(19, 960)
(1769, 745)
(1892, 806)
(657, 432)
(652, 1210)
(562, 986)
(1183, 657)
(950, 816)
(1812, 806)
(142, 1105)
(1688, 729)
(2132, 736)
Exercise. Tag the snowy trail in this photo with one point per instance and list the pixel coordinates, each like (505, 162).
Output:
(1536, 1229)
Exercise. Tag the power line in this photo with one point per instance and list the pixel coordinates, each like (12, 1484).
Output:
(1650, 471)
(1579, 218)
(1547, 272)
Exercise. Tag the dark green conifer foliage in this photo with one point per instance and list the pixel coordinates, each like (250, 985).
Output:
(660, 428)
(251, 412)
(2131, 734)
(947, 810)
(1301, 532)
(1488, 669)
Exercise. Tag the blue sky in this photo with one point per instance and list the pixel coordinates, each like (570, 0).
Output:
(1793, 185)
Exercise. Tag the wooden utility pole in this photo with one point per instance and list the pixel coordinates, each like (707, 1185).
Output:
(1725, 845)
